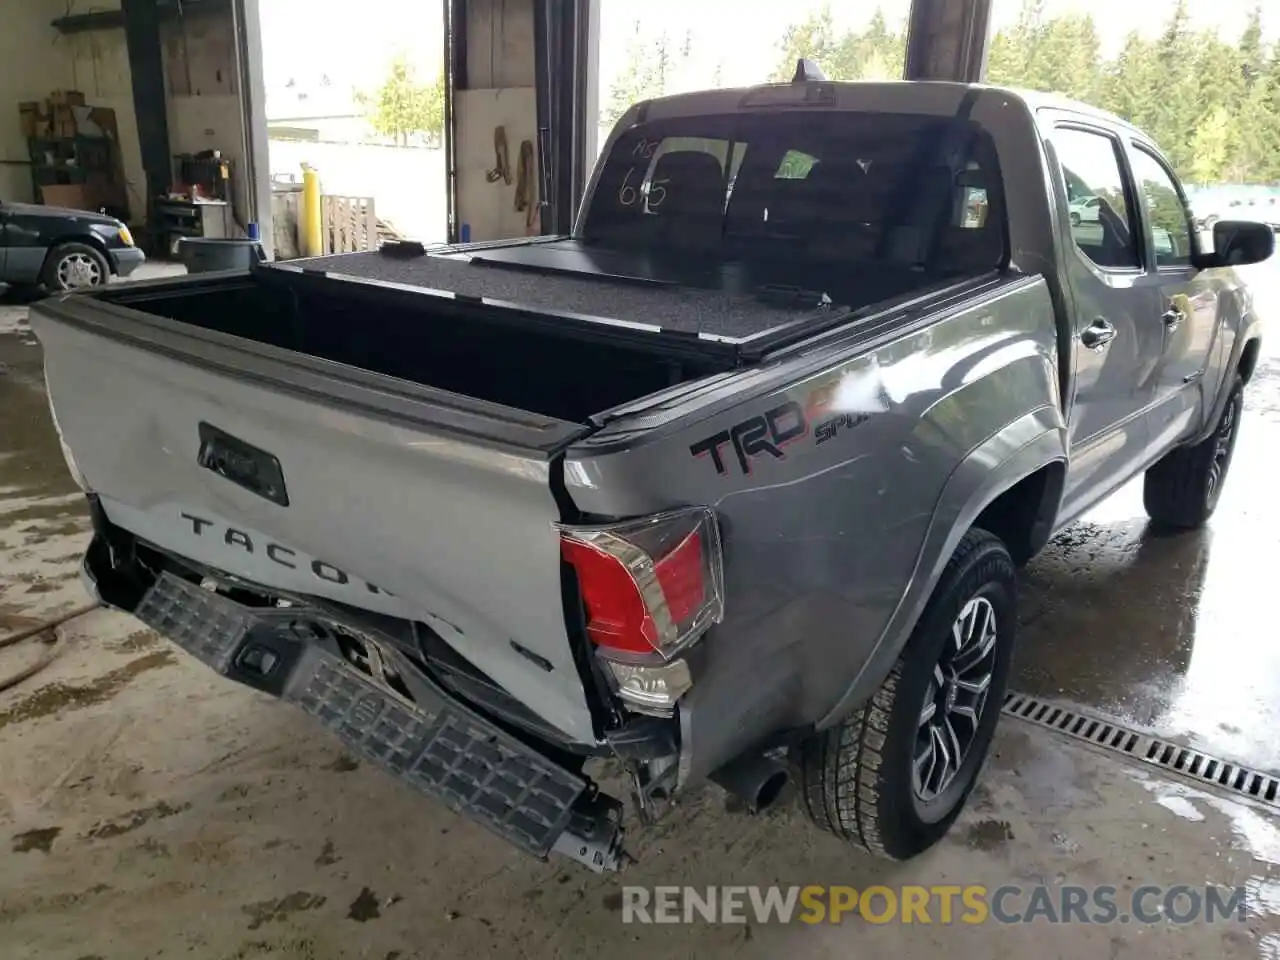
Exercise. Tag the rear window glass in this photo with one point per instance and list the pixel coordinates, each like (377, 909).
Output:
(872, 187)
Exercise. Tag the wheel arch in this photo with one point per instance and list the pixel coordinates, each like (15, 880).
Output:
(1023, 514)
(1017, 476)
(88, 239)
(1246, 351)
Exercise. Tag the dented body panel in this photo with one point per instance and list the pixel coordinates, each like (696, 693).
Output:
(827, 482)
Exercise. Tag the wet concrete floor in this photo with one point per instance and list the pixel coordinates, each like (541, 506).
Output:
(1175, 634)
(149, 809)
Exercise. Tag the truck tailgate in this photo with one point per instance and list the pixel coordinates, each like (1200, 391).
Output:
(323, 479)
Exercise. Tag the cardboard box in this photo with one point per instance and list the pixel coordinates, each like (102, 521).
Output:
(95, 122)
(66, 98)
(105, 119)
(29, 118)
(77, 196)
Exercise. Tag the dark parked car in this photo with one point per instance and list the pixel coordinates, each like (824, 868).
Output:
(63, 249)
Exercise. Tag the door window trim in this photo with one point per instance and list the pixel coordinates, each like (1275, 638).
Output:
(1127, 185)
(1150, 257)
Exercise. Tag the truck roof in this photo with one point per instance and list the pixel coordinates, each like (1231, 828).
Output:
(930, 97)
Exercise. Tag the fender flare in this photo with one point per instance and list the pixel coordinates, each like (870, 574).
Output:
(1034, 441)
(1249, 331)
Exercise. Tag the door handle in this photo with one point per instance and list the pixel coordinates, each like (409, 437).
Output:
(1172, 317)
(1097, 335)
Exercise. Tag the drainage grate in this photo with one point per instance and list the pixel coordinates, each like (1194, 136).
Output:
(1145, 748)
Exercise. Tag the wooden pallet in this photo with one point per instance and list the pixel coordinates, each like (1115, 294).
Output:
(348, 224)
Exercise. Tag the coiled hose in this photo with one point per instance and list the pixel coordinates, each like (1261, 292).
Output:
(29, 633)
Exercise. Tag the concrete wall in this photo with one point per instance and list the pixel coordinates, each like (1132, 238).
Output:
(500, 82)
(204, 95)
(33, 61)
(99, 68)
(203, 99)
(500, 44)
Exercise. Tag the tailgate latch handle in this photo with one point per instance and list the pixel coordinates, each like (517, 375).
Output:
(242, 463)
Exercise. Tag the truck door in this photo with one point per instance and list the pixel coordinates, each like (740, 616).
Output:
(1117, 342)
(1183, 301)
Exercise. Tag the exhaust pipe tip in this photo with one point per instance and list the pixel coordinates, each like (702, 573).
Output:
(755, 779)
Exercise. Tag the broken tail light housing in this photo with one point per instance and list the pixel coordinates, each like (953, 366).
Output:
(648, 586)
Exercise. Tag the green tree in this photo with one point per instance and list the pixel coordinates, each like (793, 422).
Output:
(813, 37)
(402, 107)
(1212, 103)
(1212, 146)
(651, 63)
(1252, 55)
(1267, 107)
(876, 52)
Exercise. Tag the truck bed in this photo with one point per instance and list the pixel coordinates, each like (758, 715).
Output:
(712, 301)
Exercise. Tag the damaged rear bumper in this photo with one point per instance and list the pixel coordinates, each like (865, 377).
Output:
(432, 741)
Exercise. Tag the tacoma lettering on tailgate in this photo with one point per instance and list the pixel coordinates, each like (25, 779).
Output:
(275, 552)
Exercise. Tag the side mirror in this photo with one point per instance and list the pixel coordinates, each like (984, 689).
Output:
(1237, 243)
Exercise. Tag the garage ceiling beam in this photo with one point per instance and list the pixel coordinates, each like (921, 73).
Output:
(948, 40)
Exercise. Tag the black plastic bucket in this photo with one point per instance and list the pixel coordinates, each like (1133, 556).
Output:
(205, 254)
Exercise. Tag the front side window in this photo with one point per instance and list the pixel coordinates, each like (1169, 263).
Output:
(1102, 224)
(1170, 226)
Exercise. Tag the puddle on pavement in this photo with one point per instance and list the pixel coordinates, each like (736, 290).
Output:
(275, 911)
(58, 697)
(31, 463)
(42, 511)
(1172, 633)
(134, 820)
(1254, 835)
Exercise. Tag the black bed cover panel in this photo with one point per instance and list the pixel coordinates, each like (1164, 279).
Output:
(712, 301)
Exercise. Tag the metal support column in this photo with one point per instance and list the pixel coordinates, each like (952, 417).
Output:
(948, 40)
(146, 66)
(455, 79)
(253, 117)
(564, 43)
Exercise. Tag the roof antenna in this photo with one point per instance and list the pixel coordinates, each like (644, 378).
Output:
(807, 70)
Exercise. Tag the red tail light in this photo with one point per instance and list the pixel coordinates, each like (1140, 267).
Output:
(648, 585)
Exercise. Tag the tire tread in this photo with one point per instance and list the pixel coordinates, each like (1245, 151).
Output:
(1174, 489)
(842, 769)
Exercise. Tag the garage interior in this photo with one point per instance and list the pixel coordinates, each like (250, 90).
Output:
(150, 809)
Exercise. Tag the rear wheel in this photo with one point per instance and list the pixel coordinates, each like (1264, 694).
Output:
(894, 776)
(1183, 488)
(72, 266)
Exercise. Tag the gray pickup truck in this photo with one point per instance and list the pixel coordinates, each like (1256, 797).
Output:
(731, 484)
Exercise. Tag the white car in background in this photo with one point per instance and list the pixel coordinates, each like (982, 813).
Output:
(1257, 203)
(1084, 210)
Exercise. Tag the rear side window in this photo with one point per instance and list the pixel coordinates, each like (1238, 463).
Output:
(1170, 225)
(1102, 224)
(899, 188)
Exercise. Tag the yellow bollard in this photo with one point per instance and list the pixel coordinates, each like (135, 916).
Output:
(309, 216)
